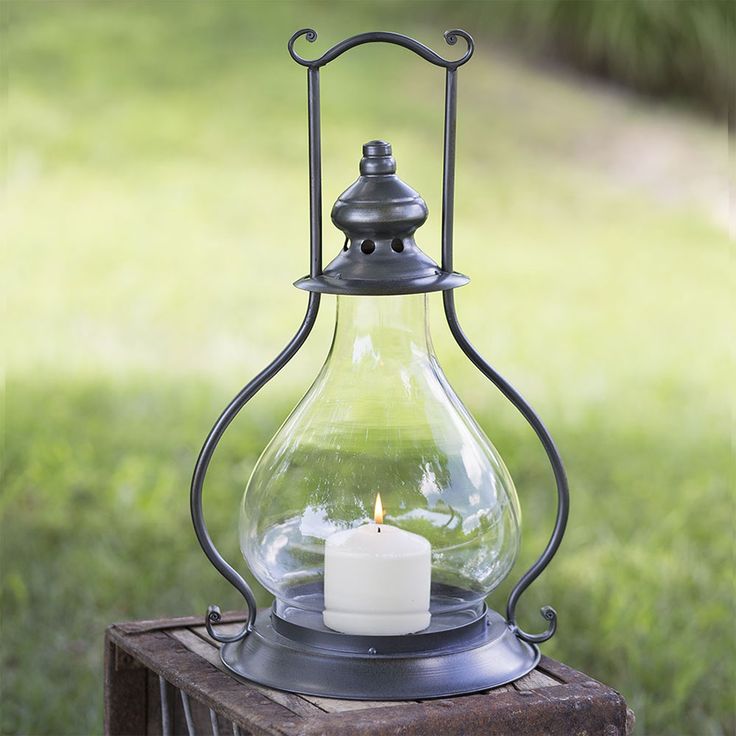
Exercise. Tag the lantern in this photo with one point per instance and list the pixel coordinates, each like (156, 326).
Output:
(380, 516)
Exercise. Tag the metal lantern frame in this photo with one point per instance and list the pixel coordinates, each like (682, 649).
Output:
(491, 649)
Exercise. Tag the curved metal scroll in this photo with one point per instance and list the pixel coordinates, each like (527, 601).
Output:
(563, 496)
(383, 37)
(203, 461)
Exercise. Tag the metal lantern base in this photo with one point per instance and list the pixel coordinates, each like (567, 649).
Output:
(302, 656)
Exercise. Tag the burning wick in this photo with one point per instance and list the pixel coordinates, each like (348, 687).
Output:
(378, 512)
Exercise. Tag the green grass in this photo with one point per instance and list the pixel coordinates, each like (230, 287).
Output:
(153, 153)
(683, 49)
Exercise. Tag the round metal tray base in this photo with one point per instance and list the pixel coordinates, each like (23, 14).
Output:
(490, 655)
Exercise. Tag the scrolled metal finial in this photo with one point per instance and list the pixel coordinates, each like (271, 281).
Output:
(549, 614)
(451, 37)
(397, 39)
(311, 35)
(214, 616)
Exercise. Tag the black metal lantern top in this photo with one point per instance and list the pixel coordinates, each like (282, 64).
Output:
(379, 215)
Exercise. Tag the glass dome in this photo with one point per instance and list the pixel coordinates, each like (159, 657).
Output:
(381, 418)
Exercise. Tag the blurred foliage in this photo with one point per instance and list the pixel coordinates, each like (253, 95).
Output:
(156, 213)
(676, 48)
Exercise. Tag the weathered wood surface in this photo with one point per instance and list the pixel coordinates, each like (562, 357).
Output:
(553, 699)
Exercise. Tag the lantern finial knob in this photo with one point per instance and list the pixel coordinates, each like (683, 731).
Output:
(377, 159)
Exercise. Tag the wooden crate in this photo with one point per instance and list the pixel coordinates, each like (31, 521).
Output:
(173, 663)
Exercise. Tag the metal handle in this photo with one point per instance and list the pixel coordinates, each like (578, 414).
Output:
(383, 37)
(203, 461)
(315, 143)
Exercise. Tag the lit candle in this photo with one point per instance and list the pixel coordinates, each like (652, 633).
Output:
(377, 579)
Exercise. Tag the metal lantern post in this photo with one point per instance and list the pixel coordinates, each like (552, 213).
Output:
(467, 647)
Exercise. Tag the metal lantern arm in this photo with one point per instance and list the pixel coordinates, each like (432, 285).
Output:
(200, 470)
(563, 496)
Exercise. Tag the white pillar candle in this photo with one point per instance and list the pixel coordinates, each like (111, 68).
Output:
(377, 580)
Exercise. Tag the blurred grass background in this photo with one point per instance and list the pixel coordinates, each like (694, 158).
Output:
(153, 150)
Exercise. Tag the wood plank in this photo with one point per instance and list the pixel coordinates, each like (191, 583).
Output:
(440, 717)
(576, 712)
(198, 646)
(327, 705)
(159, 624)
(335, 705)
(224, 629)
(497, 690)
(561, 672)
(125, 694)
(211, 653)
(153, 705)
(534, 681)
(237, 702)
(554, 699)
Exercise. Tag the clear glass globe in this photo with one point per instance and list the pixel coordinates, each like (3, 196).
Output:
(381, 418)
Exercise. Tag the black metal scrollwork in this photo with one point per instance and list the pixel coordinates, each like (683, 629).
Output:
(383, 37)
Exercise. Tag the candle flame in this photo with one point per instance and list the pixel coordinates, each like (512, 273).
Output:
(378, 510)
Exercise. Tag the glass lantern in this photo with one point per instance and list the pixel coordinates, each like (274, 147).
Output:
(380, 516)
(381, 418)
